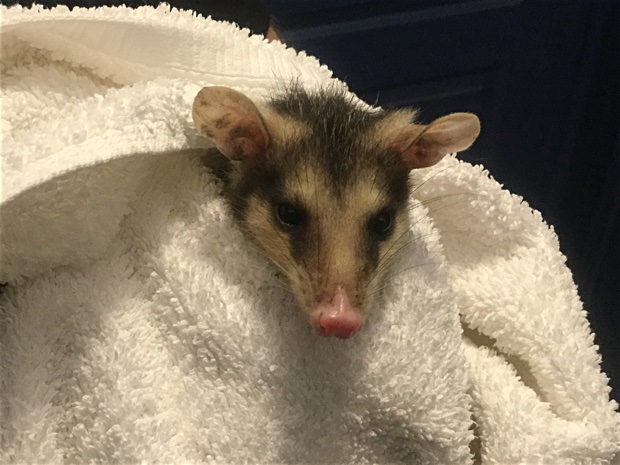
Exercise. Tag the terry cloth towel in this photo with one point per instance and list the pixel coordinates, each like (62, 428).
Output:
(139, 325)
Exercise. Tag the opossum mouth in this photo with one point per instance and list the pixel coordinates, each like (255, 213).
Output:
(336, 316)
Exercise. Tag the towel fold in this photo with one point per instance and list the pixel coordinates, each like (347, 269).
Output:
(139, 325)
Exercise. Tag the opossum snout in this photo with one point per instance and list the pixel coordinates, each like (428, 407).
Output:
(336, 316)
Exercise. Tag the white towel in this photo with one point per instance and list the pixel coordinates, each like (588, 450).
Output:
(139, 325)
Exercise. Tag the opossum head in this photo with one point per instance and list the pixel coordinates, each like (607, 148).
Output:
(322, 186)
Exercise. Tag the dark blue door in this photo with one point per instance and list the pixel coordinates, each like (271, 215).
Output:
(544, 77)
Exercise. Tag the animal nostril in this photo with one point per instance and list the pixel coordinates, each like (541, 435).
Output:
(338, 326)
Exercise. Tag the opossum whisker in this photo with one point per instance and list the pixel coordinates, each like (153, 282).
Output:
(407, 230)
(379, 263)
(439, 234)
(264, 265)
(436, 233)
(425, 202)
(270, 267)
(430, 212)
(394, 273)
(296, 268)
(256, 248)
(477, 159)
(387, 259)
(288, 272)
(416, 188)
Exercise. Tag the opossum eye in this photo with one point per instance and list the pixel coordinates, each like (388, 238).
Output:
(381, 224)
(290, 215)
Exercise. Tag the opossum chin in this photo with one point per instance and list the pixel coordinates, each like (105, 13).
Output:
(336, 316)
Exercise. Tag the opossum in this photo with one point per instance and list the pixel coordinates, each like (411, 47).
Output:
(322, 185)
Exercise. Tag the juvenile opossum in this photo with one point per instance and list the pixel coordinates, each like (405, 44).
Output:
(322, 185)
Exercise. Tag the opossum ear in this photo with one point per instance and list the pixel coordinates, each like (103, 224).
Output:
(232, 121)
(423, 146)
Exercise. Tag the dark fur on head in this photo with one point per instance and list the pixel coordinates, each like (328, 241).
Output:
(334, 142)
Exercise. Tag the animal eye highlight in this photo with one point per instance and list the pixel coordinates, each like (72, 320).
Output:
(289, 214)
(382, 223)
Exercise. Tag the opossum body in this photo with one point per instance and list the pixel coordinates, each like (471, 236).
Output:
(322, 186)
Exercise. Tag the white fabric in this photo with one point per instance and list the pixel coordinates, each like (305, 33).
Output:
(140, 326)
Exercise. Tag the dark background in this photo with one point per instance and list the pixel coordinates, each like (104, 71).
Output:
(544, 78)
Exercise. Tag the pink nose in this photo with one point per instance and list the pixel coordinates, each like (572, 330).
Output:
(342, 326)
(336, 316)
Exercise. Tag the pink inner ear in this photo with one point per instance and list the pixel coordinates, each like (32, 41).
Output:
(232, 121)
(247, 140)
(412, 149)
(420, 157)
(424, 146)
